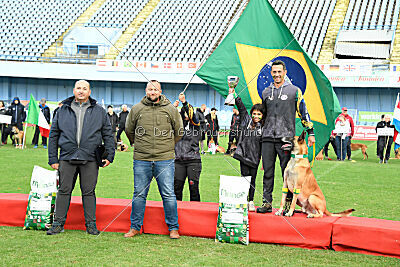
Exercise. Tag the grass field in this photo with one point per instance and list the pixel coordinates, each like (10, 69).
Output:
(370, 188)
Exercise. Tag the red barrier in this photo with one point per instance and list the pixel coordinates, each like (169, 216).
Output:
(367, 236)
(363, 235)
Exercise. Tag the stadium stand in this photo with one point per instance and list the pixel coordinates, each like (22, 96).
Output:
(116, 13)
(28, 28)
(184, 30)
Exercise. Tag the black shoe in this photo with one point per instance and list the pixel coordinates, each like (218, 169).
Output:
(380, 161)
(266, 207)
(55, 229)
(92, 229)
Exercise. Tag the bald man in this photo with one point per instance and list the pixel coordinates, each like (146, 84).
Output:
(154, 125)
(79, 127)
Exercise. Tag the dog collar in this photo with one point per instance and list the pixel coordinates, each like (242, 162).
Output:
(304, 156)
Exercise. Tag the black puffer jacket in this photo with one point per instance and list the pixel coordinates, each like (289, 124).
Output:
(46, 112)
(202, 119)
(113, 121)
(96, 129)
(187, 149)
(122, 119)
(248, 149)
(17, 112)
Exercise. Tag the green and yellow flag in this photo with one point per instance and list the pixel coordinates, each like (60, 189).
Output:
(258, 38)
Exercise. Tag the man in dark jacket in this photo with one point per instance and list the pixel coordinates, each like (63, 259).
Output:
(187, 156)
(234, 130)
(384, 142)
(281, 100)
(203, 125)
(79, 128)
(122, 120)
(212, 126)
(18, 116)
(113, 118)
(46, 112)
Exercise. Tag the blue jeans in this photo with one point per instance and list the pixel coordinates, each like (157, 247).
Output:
(143, 172)
(341, 147)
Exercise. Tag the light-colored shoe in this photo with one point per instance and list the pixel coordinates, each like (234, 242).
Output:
(251, 206)
(132, 232)
(174, 234)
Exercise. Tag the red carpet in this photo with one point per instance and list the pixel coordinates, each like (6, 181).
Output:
(363, 235)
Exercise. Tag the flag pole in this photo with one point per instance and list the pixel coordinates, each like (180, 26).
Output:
(23, 140)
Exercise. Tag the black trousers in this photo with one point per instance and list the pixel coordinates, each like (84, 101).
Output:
(349, 149)
(87, 178)
(120, 130)
(269, 152)
(382, 140)
(246, 170)
(233, 136)
(326, 147)
(35, 139)
(3, 131)
(212, 135)
(192, 172)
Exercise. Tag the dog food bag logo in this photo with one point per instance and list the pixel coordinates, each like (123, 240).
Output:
(233, 189)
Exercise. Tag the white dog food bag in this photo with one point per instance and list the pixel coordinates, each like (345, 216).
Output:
(42, 199)
(233, 219)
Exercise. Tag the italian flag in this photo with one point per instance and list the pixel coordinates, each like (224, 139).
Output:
(35, 116)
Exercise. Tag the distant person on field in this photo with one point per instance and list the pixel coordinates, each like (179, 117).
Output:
(376, 130)
(154, 126)
(3, 126)
(59, 106)
(234, 132)
(79, 127)
(113, 121)
(212, 126)
(187, 154)
(46, 112)
(122, 120)
(18, 116)
(342, 139)
(350, 120)
(326, 147)
(384, 142)
(203, 125)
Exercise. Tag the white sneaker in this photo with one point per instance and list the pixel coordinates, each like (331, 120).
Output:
(251, 206)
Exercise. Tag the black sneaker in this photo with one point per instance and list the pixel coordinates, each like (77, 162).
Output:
(55, 229)
(266, 207)
(92, 229)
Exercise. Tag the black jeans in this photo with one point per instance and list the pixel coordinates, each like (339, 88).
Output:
(120, 130)
(269, 151)
(192, 172)
(246, 170)
(87, 178)
(382, 141)
(35, 139)
(348, 147)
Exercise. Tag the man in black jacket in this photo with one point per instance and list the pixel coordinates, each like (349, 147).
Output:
(79, 128)
(18, 116)
(384, 142)
(46, 112)
(187, 156)
(212, 126)
(203, 125)
(234, 130)
(113, 121)
(122, 120)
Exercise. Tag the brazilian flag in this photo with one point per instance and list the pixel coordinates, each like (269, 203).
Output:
(257, 39)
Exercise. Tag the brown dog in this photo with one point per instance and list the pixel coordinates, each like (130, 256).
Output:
(355, 146)
(121, 146)
(219, 148)
(18, 137)
(299, 179)
(397, 154)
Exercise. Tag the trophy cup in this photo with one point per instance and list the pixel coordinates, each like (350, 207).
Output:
(232, 83)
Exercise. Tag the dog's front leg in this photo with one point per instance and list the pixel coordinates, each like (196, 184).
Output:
(296, 192)
(283, 200)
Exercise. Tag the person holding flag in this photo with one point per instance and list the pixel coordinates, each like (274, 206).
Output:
(37, 117)
(46, 112)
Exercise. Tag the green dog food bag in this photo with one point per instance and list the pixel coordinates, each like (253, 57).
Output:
(233, 219)
(42, 199)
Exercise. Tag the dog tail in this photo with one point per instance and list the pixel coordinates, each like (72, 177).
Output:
(345, 213)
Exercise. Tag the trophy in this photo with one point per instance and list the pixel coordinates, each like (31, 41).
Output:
(232, 83)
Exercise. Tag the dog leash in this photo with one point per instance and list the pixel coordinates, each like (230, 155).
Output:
(313, 158)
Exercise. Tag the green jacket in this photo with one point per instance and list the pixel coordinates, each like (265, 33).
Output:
(154, 128)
